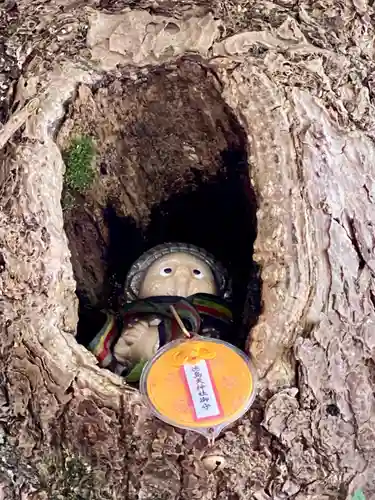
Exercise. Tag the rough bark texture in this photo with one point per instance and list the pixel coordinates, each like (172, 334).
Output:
(300, 82)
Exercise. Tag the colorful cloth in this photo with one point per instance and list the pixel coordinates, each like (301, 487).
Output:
(202, 314)
(101, 344)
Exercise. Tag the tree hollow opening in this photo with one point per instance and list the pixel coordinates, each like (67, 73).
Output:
(170, 165)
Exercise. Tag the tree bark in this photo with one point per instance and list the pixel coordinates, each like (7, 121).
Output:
(300, 83)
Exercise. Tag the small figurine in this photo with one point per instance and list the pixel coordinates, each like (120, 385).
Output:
(168, 280)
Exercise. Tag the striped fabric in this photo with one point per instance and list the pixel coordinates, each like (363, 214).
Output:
(200, 313)
(101, 344)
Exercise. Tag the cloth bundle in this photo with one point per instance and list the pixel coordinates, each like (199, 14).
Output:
(202, 314)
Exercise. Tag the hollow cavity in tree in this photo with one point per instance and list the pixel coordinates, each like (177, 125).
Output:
(171, 165)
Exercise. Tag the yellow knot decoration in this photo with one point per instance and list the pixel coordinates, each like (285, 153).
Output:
(192, 353)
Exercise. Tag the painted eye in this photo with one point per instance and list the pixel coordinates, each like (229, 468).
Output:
(165, 271)
(198, 273)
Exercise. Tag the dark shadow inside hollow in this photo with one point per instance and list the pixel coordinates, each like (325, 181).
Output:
(177, 170)
(217, 215)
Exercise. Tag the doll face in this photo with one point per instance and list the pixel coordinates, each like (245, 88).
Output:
(178, 274)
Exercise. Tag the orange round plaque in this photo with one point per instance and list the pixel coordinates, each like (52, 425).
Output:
(199, 384)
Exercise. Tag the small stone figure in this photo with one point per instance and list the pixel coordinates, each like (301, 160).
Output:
(175, 274)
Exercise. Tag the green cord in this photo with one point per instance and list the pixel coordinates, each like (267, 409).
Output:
(358, 495)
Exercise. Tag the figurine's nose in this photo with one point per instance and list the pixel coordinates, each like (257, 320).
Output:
(182, 275)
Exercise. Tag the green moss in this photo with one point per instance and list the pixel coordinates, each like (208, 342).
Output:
(79, 159)
(73, 479)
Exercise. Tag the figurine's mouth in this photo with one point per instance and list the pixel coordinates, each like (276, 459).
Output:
(171, 165)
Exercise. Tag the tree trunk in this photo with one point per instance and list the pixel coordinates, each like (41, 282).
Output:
(300, 84)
